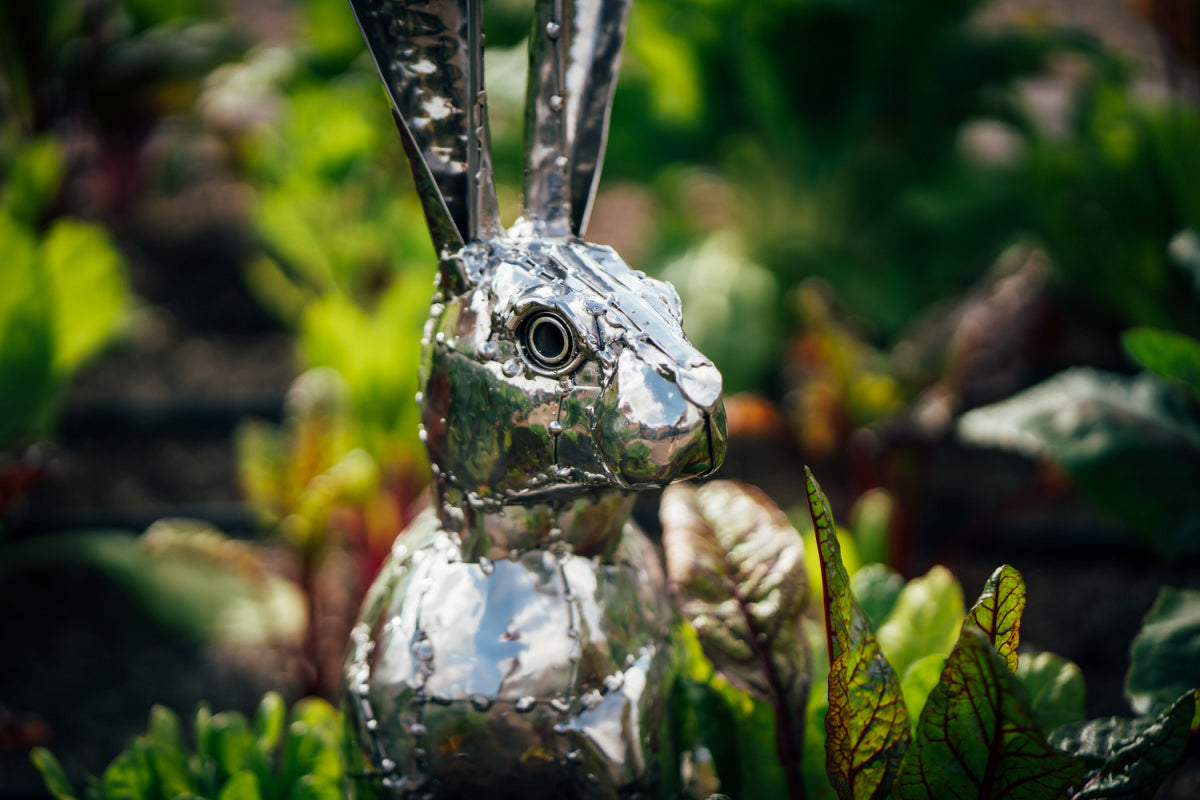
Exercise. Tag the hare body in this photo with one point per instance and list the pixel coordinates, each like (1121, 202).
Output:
(518, 641)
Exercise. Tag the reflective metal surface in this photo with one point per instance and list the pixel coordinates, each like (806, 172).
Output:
(518, 641)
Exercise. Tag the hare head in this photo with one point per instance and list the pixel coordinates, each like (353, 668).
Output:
(551, 368)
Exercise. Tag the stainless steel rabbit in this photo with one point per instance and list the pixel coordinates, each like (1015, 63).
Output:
(517, 642)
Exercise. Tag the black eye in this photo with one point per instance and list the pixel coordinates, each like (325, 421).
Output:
(547, 342)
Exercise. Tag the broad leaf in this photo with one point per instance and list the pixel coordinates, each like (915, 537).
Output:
(1055, 687)
(866, 725)
(1172, 355)
(1129, 757)
(242, 786)
(925, 620)
(1164, 658)
(978, 737)
(737, 566)
(998, 612)
(1132, 446)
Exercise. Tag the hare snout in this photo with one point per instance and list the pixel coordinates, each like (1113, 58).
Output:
(652, 432)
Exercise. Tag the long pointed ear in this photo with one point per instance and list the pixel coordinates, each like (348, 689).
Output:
(430, 56)
(574, 56)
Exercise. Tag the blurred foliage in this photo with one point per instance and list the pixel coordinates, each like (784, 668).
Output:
(62, 297)
(187, 576)
(844, 130)
(1117, 203)
(274, 756)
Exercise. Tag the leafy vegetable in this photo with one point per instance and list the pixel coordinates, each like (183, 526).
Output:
(1132, 445)
(924, 621)
(739, 567)
(866, 725)
(1055, 687)
(233, 759)
(61, 301)
(1164, 658)
(978, 737)
(1128, 758)
(185, 574)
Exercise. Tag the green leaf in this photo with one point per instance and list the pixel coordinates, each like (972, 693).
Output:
(871, 520)
(919, 681)
(876, 587)
(26, 340)
(129, 776)
(738, 566)
(1055, 687)
(1132, 446)
(85, 274)
(1129, 757)
(242, 786)
(998, 612)
(269, 722)
(1164, 658)
(1174, 356)
(52, 774)
(925, 620)
(978, 737)
(313, 744)
(232, 741)
(165, 728)
(866, 725)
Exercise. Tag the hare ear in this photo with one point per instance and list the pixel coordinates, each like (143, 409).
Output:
(574, 56)
(430, 57)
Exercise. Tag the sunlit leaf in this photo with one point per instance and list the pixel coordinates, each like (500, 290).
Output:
(738, 567)
(1172, 355)
(1055, 687)
(918, 681)
(924, 621)
(1128, 758)
(233, 742)
(241, 786)
(85, 274)
(269, 721)
(978, 737)
(1164, 658)
(998, 612)
(866, 725)
(871, 520)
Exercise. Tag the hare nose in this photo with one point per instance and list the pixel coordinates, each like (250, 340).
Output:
(651, 433)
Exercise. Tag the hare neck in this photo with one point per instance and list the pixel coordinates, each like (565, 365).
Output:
(587, 525)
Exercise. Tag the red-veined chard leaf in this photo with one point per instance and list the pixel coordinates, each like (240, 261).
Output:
(978, 738)
(1164, 658)
(1128, 757)
(737, 566)
(866, 726)
(998, 612)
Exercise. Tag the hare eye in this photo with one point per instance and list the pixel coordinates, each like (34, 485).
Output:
(547, 342)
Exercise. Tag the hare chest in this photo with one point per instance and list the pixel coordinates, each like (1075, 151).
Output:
(544, 674)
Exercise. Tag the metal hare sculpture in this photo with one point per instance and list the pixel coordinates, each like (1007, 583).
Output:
(518, 640)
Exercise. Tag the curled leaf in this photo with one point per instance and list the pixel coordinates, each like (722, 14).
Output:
(1129, 757)
(866, 725)
(998, 612)
(979, 738)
